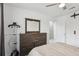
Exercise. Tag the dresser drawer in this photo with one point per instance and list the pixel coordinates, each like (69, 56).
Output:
(38, 42)
(25, 51)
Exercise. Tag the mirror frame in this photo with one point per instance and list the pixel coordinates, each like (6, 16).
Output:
(28, 19)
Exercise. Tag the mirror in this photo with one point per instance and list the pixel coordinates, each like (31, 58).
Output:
(32, 25)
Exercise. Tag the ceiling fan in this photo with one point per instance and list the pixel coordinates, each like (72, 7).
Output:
(60, 5)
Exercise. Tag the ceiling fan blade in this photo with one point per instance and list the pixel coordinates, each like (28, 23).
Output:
(72, 8)
(77, 14)
(51, 5)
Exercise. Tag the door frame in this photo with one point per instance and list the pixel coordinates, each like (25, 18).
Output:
(2, 30)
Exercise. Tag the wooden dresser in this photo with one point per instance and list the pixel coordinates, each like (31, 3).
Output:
(30, 40)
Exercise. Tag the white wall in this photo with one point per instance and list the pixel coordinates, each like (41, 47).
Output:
(18, 14)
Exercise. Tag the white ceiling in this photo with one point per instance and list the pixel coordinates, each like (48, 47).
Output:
(52, 11)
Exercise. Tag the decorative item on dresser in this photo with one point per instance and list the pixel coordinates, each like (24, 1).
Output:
(30, 40)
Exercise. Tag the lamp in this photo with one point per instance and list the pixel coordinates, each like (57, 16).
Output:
(14, 24)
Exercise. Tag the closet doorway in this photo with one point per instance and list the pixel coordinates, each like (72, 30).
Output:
(1, 31)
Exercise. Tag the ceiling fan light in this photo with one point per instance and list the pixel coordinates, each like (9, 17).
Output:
(61, 5)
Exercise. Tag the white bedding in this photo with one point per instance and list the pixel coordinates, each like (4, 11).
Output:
(55, 49)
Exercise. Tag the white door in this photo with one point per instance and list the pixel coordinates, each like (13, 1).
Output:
(60, 31)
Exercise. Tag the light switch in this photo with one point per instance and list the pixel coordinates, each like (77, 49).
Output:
(74, 32)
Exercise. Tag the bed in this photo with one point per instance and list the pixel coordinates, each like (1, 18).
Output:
(55, 49)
